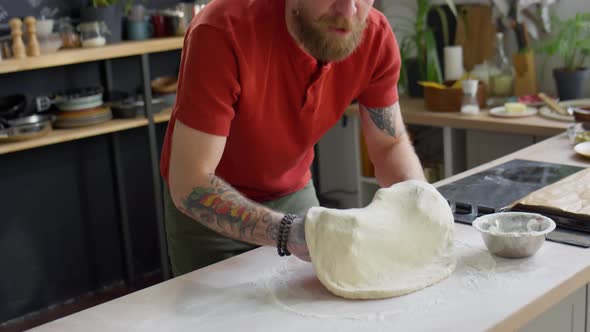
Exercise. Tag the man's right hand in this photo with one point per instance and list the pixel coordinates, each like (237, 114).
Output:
(296, 243)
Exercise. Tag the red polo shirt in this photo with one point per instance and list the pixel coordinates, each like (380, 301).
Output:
(243, 76)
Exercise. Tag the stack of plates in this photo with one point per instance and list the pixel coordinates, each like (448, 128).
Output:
(83, 117)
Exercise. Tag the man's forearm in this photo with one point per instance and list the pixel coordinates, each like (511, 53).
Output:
(401, 158)
(224, 210)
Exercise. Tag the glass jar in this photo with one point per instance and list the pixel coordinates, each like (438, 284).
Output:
(93, 34)
(501, 75)
(69, 37)
(469, 104)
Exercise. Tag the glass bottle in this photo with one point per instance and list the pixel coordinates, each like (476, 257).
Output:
(501, 74)
(469, 104)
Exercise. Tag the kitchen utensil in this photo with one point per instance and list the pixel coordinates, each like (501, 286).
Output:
(73, 99)
(501, 112)
(13, 106)
(21, 133)
(553, 105)
(134, 106)
(27, 120)
(583, 149)
(96, 118)
(514, 234)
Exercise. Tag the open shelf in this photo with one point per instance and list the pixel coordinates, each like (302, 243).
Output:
(80, 55)
(65, 135)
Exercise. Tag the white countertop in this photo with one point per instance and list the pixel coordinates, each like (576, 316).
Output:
(259, 291)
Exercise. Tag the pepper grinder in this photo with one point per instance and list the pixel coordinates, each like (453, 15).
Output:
(18, 47)
(33, 45)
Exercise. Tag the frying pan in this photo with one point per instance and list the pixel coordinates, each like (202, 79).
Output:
(14, 106)
(73, 99)
(25, 121)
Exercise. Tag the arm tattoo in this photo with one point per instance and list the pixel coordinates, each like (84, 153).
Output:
(384, 118)
(223, 209)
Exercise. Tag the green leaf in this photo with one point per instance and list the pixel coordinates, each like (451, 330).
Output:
(452, 6)
(444, 24)
(433, 71)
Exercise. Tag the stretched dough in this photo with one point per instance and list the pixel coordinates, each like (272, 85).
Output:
(398, 244)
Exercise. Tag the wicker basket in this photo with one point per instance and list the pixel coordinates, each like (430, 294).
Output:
(449, 99)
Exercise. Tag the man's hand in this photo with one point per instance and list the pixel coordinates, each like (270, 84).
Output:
(296, 243)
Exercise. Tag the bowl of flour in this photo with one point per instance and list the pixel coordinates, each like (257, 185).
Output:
(514, 234)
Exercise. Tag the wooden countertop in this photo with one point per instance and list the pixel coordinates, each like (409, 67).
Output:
(254, 291)
(80, 55)
(414, 113)
(65, 135)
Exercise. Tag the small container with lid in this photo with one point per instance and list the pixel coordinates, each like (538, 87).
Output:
(470, 105)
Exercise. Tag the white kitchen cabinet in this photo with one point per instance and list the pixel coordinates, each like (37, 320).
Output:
(568, 315)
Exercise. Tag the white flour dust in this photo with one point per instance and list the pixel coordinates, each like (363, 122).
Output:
(294, 287)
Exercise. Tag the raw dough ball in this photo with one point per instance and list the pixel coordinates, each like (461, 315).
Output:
(400, 243)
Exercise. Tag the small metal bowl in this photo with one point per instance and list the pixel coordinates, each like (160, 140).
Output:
(514, 234)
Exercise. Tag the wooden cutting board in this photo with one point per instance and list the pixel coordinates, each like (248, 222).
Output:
(568, 197)
(476, 34)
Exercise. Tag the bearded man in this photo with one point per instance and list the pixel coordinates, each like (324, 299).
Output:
(260, 82)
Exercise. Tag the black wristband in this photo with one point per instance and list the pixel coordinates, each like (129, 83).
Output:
(283, 236)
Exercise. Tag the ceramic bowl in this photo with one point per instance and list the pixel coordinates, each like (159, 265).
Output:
(514, 234)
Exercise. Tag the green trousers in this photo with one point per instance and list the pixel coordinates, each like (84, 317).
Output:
(192, 246)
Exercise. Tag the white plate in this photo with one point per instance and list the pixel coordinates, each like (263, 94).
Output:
(546, 112)
(583, 149)
(501, 112)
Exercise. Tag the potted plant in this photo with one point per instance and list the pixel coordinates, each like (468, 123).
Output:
(418, 49)
(111, 13)
(570, 41)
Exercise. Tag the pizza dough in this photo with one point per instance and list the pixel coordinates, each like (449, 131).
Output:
(398, 244)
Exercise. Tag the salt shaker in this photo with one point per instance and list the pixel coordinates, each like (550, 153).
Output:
(470, 105)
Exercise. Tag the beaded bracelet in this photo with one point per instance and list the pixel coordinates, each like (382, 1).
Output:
(283, 236)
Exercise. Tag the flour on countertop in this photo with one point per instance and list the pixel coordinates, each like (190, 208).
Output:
(294, 287)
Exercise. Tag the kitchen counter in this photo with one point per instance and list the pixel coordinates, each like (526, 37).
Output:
(259, 291)
(414, 113)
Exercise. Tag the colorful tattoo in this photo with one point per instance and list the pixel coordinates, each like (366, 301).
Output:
(223, 209)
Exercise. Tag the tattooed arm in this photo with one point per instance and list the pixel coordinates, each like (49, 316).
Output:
(209, 200)
(389, 146)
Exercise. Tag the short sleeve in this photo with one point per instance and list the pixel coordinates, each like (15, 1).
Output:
(208, 86)
(382, 88)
